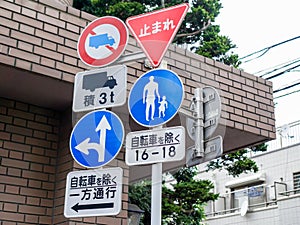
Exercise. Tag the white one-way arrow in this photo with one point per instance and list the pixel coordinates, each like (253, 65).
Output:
(85, 145)
(102, 127)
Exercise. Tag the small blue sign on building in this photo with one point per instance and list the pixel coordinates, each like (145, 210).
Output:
(155, 97)
(96, 139)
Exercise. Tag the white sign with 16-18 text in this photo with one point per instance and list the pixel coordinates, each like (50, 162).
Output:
(157, 145)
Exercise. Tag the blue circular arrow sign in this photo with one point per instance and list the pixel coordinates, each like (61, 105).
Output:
(96, 139)
(155, 97)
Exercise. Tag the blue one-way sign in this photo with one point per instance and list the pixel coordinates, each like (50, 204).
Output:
(96, 139)
(155, 97)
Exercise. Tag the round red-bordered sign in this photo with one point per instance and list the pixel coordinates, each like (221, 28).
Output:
(102, 41)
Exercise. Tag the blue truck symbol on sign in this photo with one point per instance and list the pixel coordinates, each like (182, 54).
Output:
(98, 80)
(101, 40)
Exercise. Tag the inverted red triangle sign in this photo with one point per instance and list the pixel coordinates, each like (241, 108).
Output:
(155, 31)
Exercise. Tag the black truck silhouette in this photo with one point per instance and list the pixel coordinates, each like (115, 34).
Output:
(98, 80)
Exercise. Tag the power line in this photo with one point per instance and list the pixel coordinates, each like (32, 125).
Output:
(276, 67)
(265, 50)
(283, 72)
(287, 87)
(280, 96)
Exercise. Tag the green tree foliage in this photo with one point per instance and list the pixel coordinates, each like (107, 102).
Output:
(237, 162)
(197, 29)
(215, 46)
(140, 195)
(120, 9)
(123, 10)
(183, 203)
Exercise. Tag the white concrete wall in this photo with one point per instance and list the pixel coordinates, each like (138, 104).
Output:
(278, 165)
(287, 212)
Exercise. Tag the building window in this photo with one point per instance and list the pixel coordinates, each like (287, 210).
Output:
(238, 195)
(255, 195)
(296, 179)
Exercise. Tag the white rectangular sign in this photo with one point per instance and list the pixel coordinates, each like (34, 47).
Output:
(93, 192)
(157, 145)
(100, 88)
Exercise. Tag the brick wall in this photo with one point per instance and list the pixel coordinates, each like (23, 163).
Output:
(49, 31)
(247, 100)
(28, 152)
(34, 163)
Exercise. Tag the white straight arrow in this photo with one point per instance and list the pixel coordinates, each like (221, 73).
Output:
(85, 145)
(102, 127)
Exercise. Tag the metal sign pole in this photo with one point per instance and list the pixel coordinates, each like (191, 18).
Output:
(156, 185)
(156, 193)
(199, 147)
